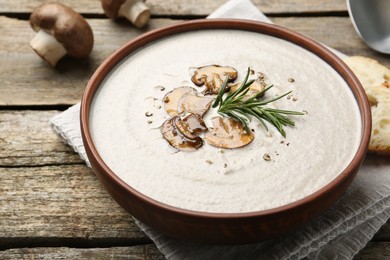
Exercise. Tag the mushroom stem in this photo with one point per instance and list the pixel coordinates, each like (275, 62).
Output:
(46, 46)
(136, 12)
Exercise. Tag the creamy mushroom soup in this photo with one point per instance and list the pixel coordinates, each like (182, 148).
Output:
(127, 113)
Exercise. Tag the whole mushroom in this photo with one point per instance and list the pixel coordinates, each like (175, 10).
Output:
(60, 30)
(136, 11)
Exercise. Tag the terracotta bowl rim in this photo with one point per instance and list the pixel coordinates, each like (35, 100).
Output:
(236, 24)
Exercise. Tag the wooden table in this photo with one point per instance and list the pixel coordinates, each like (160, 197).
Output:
(51, 204)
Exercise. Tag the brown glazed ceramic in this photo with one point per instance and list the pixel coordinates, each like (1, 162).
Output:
(224, 228)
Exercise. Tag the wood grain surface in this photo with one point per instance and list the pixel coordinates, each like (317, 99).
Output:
(27, 139)
(49, 196)
(60, 203)
(29, 81)
(140, 252)
(51, 204)
(187, 7)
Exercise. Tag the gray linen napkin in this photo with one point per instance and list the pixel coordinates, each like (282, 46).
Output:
(339, 233)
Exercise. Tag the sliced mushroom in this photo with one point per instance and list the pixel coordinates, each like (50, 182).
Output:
(60, 30)
(257, 86)
(212, 77)
(171, 99)
(192, 103)
(190, 126)
(228, 133)
(176, 139)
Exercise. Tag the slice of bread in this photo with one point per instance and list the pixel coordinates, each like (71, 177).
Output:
(375, 79)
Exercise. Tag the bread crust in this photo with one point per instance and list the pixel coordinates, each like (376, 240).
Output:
(375, 79)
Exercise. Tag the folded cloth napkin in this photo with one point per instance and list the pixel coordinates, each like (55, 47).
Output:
(337, 234)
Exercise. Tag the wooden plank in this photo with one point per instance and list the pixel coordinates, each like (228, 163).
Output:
(27, 80)
(342, 38)
(205, 7)
(56, 205)
(61, 204)
(186, 7)
(374, 251)
(27, 139)
(135, 252)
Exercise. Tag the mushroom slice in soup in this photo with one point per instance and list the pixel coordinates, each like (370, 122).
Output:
(212, 77)
(192, 103)
(228, 133)
(190, 126)
(171, 99)
(257, 86)
(176, 139)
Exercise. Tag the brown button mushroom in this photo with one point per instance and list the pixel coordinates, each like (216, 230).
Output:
(257, 86)
(228, 133)
(176, 139)
(136, 11)
(171, 99)
(192, 103)
(212, 77)
(60, 30)
(190, 126)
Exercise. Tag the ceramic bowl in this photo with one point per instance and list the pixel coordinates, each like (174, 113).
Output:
(224, 228)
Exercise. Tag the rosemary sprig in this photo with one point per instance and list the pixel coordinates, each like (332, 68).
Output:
(235, 105)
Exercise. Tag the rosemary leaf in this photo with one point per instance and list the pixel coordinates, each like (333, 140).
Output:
(221, 92)
(237, 106)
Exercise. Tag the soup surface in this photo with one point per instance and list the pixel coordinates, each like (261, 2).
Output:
(127, 111)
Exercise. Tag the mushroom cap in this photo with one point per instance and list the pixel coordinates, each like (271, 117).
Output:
(172, 98)
(257, 86)
(192, 103)
(228, 133)
(213, 76)
(111, 7)
(190, 126)
(66, 25)
(176, 139)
